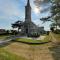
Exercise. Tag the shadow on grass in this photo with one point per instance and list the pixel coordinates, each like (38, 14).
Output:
(5, 44)
(55, 52)
(29, 43)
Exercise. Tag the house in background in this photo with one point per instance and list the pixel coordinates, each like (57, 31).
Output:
(2, 31)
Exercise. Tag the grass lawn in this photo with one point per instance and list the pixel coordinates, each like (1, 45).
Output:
(4, 55)
(57, 36)
(33, 41)
(3, 37)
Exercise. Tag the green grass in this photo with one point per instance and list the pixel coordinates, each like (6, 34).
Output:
(57, 36)
(3, 37)
(31, 40)
(4, 55)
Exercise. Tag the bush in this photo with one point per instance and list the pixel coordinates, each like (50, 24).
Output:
(48, 32)
(52, 29)
(57, 31)
(33, 35)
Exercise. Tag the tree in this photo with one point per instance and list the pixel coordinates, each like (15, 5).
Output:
(55, 10)
(52, 27)
(17, 24)
(45, 19)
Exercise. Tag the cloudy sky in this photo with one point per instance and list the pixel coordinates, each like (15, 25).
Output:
(13, 10)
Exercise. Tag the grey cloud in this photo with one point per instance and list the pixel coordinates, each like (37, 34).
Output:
(41, 2)
(45, 4)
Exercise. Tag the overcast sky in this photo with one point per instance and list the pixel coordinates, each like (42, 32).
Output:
(13, 10)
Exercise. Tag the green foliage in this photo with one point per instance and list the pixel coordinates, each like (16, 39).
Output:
(45, 19)
(52, 29)
(17, 24)
(57, 31)
(55, 10)
(34, 34)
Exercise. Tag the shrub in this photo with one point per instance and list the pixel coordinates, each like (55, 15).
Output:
(33, 35)
(57, 31)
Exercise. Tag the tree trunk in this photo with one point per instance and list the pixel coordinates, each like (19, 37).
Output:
(56, 24)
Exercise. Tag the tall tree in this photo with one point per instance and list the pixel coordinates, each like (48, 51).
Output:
(55, 10)
(17, 24)
(45, 19)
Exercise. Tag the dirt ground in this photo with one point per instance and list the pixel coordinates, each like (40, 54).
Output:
(35, 52)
